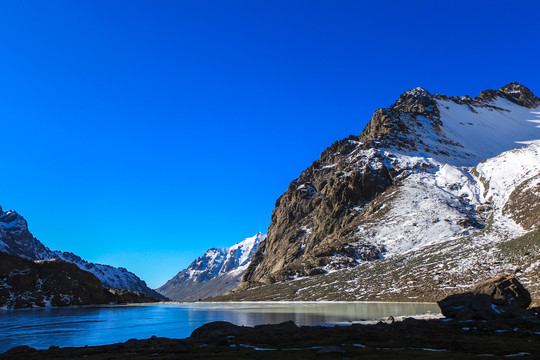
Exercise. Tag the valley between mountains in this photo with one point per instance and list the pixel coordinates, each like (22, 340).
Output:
(436, 194)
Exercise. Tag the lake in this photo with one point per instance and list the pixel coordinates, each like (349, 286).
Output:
(41, 328)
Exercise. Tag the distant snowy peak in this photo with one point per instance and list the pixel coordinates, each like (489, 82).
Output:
(216, 272)
(216, 262)
(241, 253)
(16, 239)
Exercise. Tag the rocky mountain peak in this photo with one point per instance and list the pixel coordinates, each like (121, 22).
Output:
(514, 92)
(417, 101)
(11, 219)
(520, 94)
(417, 91)
(397, 125)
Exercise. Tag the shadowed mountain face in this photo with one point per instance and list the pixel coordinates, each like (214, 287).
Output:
(40, 283)
(16, 239)
(215, 273)
(429, 170)
(27, 283)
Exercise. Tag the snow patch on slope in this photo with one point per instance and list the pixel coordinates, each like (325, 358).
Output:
(501, 174)
(485, 132)
(465, 134)
(442, 202)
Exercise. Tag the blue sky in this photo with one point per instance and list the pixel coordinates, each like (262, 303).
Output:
(141, 133)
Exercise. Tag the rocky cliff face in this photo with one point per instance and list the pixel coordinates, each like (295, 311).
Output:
(416, 177)
(16, 239)
(215, 273)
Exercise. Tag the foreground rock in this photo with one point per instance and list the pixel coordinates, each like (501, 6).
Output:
(505, 290)
(408, 339)
(25, 283)
(502, 299)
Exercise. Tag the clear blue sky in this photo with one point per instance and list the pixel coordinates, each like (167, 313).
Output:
(141, 133)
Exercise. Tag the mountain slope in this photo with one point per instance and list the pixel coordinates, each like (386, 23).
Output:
(215, 273)
(16, 239)
(38, 283)
(412, 180)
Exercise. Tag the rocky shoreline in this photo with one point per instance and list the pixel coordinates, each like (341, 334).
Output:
(407, 339)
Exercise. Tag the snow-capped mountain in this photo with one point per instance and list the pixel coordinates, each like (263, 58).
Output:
(216, 272)
(430, 170)
(16, 239)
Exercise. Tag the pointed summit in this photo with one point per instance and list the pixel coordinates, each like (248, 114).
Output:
(520, 94)
(216, 272)
(417, 92)
(515, 88)
(417, 101)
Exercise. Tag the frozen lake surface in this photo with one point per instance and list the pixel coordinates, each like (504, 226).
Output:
(41, 328)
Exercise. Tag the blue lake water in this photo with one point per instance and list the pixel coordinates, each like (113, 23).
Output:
(41, 328)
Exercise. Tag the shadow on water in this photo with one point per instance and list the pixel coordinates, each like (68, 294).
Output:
(41, 328)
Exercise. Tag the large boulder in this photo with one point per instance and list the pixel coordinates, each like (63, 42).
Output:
(502, 297)
(217, 329)
(506, 291)
(468, 306)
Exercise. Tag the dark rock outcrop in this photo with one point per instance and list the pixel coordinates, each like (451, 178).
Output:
(523, 204)
(520, 95)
